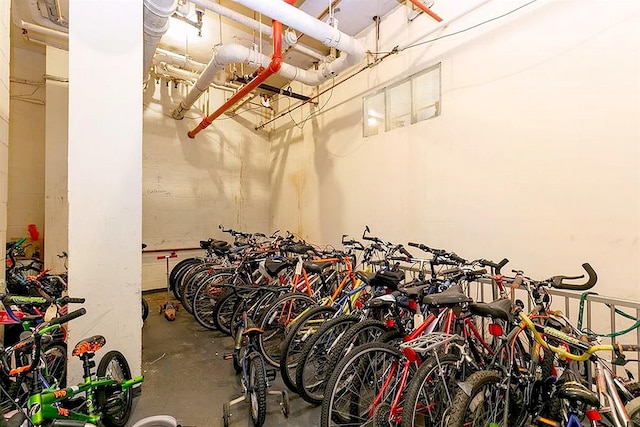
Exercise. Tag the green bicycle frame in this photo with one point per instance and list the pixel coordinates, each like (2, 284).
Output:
(46, 405)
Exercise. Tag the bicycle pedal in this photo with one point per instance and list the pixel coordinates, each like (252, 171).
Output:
(271, 374)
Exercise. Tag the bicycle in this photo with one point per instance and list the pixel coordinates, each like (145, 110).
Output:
(103, 397)
(255, 377)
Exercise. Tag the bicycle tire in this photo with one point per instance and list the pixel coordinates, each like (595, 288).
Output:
(176, 273)
(313, 369)
(364, 369)
(204, 300)
(194, 278)
(430, 392)
(355, 336)
(256, 306)
(223, 310)
(275, 321)
(115, 403)
(145, 309)
(463, 403)
(55, 359)
(633, 409)
(299, 332)
(257, 390)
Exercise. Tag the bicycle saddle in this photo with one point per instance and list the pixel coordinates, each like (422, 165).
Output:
(89, 345)
(575, 392)
(414, 292)
(298, 248)
(450, 297)
(275, 266)
(365, 276)
(316, 268)
(498, 309)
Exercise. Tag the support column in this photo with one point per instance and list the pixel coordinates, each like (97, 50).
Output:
(5, 54)
(105, 172)
(56, 203)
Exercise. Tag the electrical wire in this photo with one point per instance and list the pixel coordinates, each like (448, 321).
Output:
(495, 18)
(312, 113)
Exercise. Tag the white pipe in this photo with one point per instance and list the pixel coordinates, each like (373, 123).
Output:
(156, 23)
(172, 71)
(45, 31)
(178, 60)
(448, 21)
(254, 25)
(352, 50)
(301, 21)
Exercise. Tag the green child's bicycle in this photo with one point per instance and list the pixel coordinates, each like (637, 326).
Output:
(102, 398)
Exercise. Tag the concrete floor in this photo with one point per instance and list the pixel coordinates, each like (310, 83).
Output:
(187, 377)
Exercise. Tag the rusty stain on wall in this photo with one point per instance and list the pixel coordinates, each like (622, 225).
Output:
(298, 180)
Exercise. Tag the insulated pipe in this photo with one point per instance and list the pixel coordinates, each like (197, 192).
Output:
(163, 55)
(301, 21)
(253, 24)
(156, 23)
(265, 73)
(426, 10)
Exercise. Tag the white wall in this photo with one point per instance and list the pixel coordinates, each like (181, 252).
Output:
(535, 156)
(26, 149)
(190, 186)
(5, 54)
(105, 173)
(56, 159)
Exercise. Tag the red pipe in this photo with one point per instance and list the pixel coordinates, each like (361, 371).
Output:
(426, 10)
(265, 73)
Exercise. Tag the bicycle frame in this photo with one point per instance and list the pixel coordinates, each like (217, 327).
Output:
(46, 404)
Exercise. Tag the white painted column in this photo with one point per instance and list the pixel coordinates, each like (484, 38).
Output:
(56, 203)
(105, 172)
(5, 54)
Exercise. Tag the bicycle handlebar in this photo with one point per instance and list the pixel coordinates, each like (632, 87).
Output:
(557, 281)
(68, 317)
(497, 267)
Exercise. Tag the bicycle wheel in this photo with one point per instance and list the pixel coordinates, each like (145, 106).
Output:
(194, 278)
(257, 389)
(263, 298)
(430, 393)
(313, 368)
(55, 359)
(145, 309)
(114, 402)
(368, 376)
(480, 402)
(300, 331)
(275, 321)
(177, 271)
(225, 307)
(368, 330)
(205, 299)
(633, 409)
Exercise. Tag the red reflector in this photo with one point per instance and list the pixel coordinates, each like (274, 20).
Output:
(593, 415)
(410, 354)
(413, 306)
(495, 329)
(359, 304)
(390, 323)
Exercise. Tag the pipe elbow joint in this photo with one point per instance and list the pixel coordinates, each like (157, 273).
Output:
(275, 65)
(178, 112)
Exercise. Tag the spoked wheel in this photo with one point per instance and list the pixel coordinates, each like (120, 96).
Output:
(114, 402)
(299, 333)
(481, 404)
(367, 377)
(275, 321)
(55, 358)
(226, 414)
(205, 298)
(257, 389)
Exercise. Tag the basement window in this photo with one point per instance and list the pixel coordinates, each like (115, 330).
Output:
(409, 101)
(374, 114)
